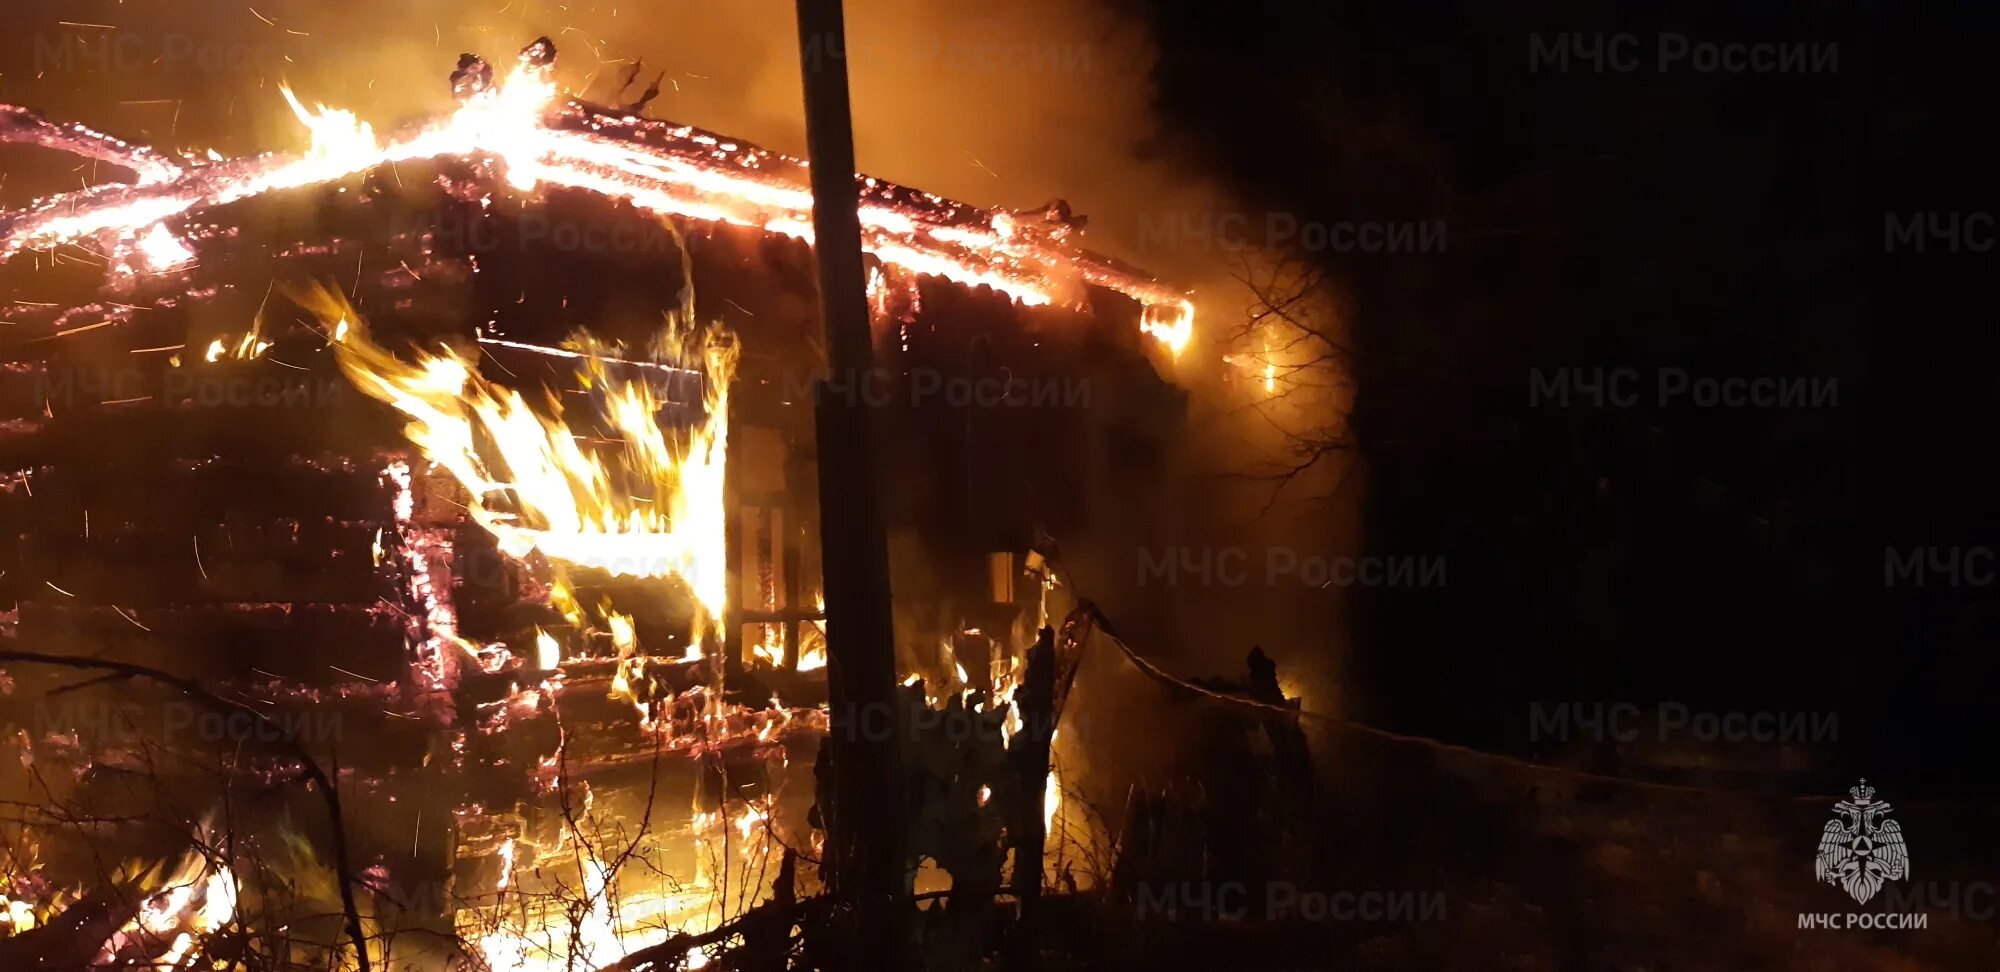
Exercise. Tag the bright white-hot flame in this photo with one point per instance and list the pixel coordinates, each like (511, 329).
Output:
(624, 637)
(20, 915)
(506, 864)
(753, 817)
(592, 942)
(648, 505)
(1171, 324)
(166, 915)
(338, 136)
(160, 250)
(1051, 800)
(548, 651)
(812, 657)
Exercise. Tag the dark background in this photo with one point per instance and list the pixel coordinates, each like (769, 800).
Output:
(1732, 559)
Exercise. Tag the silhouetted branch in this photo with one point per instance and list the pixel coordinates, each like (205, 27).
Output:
(310, 767)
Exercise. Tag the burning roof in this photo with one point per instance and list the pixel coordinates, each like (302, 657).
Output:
(537, 137)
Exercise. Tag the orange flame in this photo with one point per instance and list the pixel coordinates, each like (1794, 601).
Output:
(650, 507)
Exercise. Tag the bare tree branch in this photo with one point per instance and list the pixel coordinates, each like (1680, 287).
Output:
(329, 793)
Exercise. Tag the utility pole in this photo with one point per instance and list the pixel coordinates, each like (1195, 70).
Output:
(864, 817)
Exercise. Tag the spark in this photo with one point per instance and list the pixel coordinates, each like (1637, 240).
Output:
(135, 621)
(565, 353)
(107, 322)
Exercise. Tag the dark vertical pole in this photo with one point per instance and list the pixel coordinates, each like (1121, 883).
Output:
(1029, 752)
(865, 820)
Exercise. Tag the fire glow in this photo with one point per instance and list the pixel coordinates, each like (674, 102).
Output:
(539, 138)
(627, 494)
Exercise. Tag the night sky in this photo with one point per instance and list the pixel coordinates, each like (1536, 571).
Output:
(1727, 225)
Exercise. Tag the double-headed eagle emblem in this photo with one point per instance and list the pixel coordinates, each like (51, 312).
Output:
(1859, 850)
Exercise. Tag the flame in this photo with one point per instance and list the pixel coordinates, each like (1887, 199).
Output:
(812, 637)
(171, 915)
(650, 507)
(338, 136)
(611, 911)
(1171, 323)
(160, 250)
(20, 915)
(548, 651)
(624, 637)
(1051, 798)
(506, 864)
(813, 656)
(538, 138)
(563, 599)
(251, 345)
(770, 646)
(589, 939)
(755, 815)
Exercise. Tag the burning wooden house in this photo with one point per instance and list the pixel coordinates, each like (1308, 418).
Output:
(475, 462)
